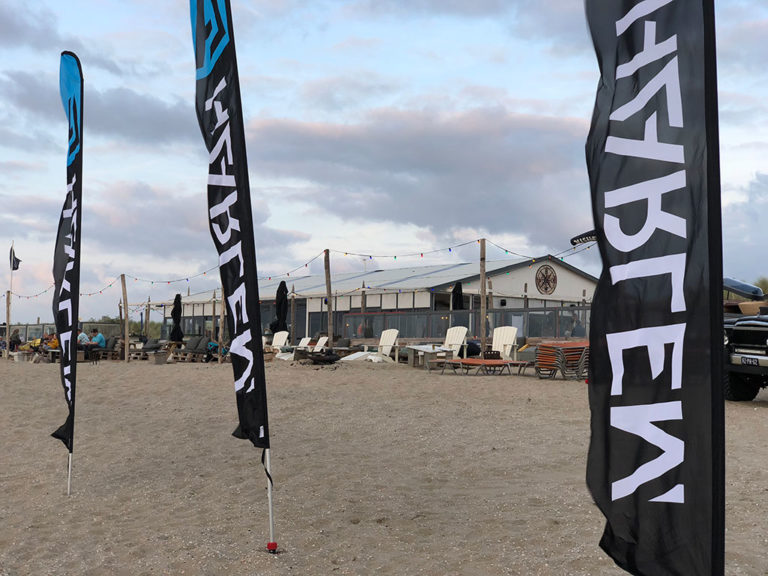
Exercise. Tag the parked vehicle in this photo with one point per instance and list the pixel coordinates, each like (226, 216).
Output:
(745, 362)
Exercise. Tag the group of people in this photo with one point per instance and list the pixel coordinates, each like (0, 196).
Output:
(89, 345)
(50, 342)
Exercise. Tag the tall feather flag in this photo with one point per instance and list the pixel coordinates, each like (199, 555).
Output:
(656, 457)
(219, 113)
(66, 257)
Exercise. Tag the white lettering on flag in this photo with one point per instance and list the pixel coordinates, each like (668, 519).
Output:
(638, 420)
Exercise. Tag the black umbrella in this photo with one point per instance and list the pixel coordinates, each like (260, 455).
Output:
(281, 305)
(457, 297)
(176, 334)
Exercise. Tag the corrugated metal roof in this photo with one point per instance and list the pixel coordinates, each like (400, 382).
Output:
(410, 278)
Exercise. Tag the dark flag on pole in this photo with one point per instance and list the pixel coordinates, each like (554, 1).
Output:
(229, 207)
(66, 256)
(14, 261)
(655, 465)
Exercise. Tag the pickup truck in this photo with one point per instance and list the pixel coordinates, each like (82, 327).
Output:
(745, 362)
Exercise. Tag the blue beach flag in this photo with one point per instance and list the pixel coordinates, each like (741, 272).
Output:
(66, 257)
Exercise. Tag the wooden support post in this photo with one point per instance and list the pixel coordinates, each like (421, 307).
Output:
(213, 317)
(483, 299)
(7, 322)
(293, 315)
(362, 310)
(490, 305)
(222, 308)
(329, 296)
(146, 319)
(125, 318)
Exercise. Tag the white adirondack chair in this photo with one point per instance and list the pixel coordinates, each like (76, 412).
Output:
(387, 341)
(505, 342)
(455, 338)
(320, 344)
(303, 343)
(279, 340)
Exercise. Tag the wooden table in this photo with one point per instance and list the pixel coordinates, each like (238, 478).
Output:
(426, 353)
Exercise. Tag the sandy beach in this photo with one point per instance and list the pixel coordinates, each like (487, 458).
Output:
(378, 469)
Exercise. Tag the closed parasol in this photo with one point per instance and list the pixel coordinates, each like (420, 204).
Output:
(176, 334)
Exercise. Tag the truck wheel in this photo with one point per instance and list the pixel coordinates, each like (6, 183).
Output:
(739, 388)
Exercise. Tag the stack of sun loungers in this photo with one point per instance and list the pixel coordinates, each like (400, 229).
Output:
(571, 359)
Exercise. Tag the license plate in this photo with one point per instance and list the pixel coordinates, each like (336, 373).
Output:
(748, 361)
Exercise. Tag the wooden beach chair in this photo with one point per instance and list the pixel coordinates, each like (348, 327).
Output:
(320, 344)
(505, 342)
(185, 354)
(279, 340)
(455, 338)
(151, 346)
(382, 351)
(387, 341)
(302, 345)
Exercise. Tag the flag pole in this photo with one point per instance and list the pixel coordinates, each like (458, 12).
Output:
(8, 312)
(69, 474)
(271, 545)
(7, 352)
(14, 253)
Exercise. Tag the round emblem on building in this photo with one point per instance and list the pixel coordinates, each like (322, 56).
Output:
(546, 279)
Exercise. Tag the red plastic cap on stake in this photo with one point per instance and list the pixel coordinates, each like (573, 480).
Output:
(272, 547)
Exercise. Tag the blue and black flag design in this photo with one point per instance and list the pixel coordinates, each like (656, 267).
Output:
(656, 456)
(220, 116)
(66, 257)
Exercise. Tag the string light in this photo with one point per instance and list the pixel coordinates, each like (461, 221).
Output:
(570, 251)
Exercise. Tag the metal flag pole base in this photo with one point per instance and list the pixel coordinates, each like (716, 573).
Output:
(271, 545)
(69, 474)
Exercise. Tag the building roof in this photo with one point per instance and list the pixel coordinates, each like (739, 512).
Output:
(439, 277)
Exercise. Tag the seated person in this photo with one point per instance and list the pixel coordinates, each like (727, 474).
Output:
(36, 344)
(97, 339)
(82, 340)
(95, 343)
(50, 343)
(578, 330)
(15, 341)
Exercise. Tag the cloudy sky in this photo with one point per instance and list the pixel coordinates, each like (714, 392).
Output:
(379, 127)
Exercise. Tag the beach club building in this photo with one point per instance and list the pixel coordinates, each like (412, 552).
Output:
(543, 297)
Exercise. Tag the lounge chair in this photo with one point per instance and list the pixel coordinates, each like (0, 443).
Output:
(279, 340)
(320, 344)
(455, 338)
(302, 345)
(149, 347)
(201, 351)
(111, 351)
(387, 341)
(505, 342)
(185, 354)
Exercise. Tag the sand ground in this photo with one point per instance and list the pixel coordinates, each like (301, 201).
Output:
(378, 469)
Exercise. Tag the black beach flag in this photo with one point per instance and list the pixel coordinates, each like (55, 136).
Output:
(229, 207)
(66, 257)
(14, 261)
(655, 465)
